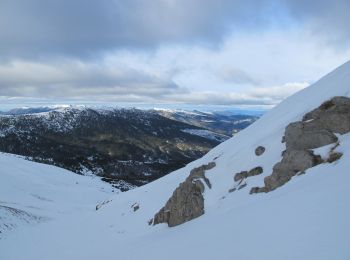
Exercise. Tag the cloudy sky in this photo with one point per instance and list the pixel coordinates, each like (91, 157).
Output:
(235, 53)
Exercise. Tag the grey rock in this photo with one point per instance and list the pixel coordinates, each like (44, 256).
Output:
(255, 171)
(198, 173)
(245, 174)
(333, 115)
(318, 128)
(187, 201)
(257, 190)
(307, 135)
(293, 162)
(334, 156)
(240, 175)
(259, 150)
(185, 204)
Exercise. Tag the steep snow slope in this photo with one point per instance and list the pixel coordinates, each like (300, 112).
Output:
(308, 218)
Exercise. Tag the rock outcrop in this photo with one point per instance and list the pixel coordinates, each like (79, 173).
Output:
(293, 162)
(187, 201)
(259, 150)
(318, 128)
(245, 174)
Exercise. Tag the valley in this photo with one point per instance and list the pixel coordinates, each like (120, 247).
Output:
(126, 147)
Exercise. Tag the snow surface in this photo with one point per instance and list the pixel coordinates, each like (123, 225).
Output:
(32, 193)
(308, 218)
(206, 134)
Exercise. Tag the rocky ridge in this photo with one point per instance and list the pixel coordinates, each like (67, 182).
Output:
(318, 128)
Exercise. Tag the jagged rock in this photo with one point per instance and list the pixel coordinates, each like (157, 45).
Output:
(308, 135)
(240, 175)
(185, 204)
(259, 150)
(293, 161)
(334, 156)
(245, 174)
(255, 171)
(318, 128)
(333, 115)
(187, 201)
(257, 190)
(198, 173)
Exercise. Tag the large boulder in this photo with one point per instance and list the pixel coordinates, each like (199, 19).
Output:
(293, 162)
(187, 201)
(333, 115)
(307, 135)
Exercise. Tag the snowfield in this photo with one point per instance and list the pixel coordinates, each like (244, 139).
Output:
(32, 193)
(206, 134)
(307, 218)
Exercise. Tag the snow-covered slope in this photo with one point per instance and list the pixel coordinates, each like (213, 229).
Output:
(32, 193)
(307, 218)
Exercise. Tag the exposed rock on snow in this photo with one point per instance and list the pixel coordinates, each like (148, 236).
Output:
(187, 201)
(333, 115)
(334, 156)
(308, 135)
(245, 174)
(293, 162)
(135, 206)
(259, 150)
(317, 129)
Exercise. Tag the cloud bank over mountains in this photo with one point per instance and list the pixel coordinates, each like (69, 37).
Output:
(166, 51)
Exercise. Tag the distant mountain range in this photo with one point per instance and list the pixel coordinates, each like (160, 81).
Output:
(127, 147)
(225, 122)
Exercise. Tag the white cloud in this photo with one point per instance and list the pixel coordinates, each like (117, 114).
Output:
(247, 70)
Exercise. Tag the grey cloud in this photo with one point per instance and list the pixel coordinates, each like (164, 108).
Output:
(79, 80)
(236, 76)
(85, 82)
(86, 28)
(328, 19)
(36, 28)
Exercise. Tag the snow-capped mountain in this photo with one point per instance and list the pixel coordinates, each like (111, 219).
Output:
(128, 147)
(222, 122)
(277, 190)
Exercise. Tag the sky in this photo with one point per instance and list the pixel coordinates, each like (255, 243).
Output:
(229, 53)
